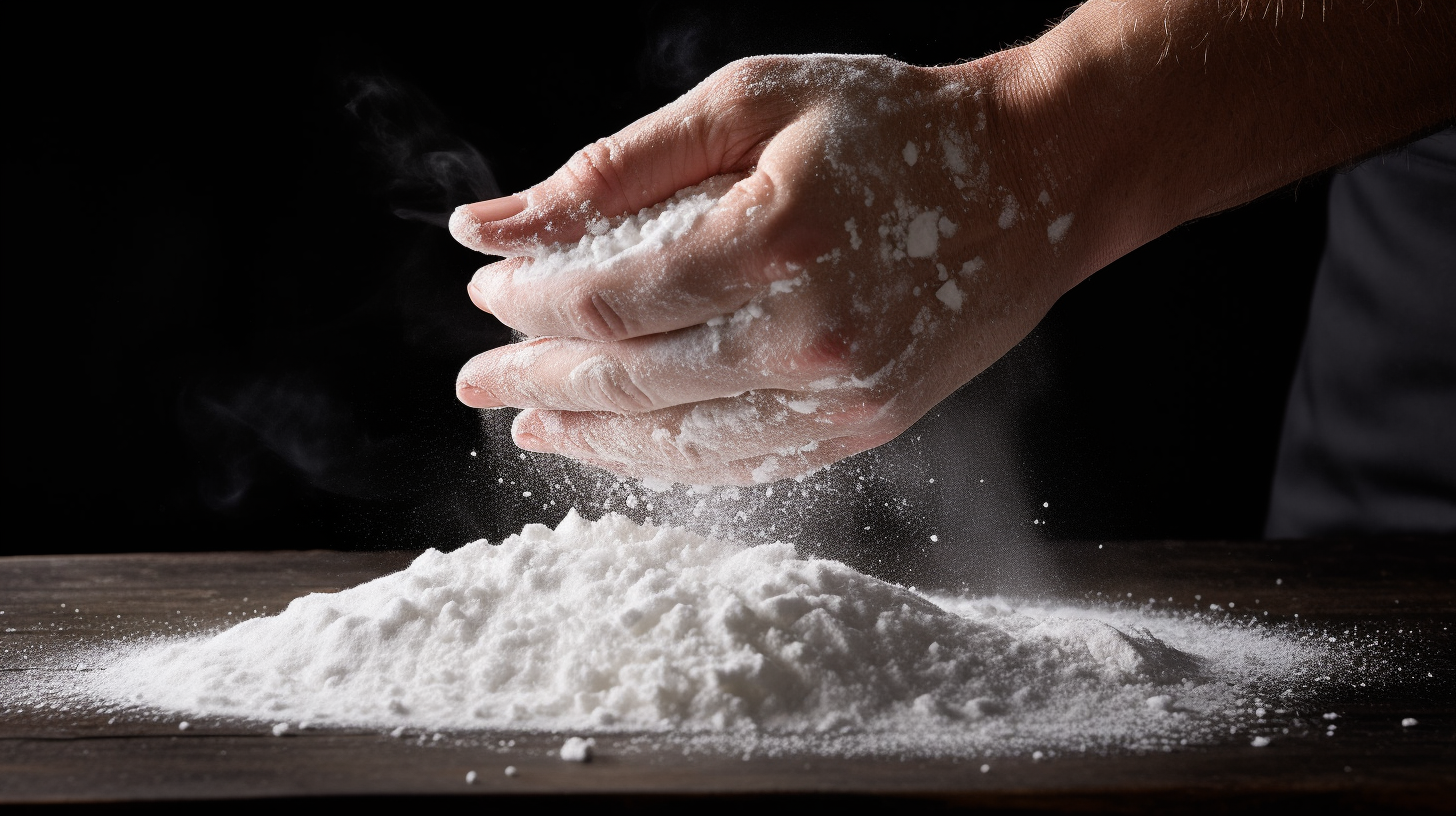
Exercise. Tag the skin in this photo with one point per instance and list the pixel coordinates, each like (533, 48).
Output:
(776, 337)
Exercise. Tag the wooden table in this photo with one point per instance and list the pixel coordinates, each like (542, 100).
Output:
(52, 604)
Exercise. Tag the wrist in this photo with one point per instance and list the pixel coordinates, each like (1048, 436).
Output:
(1080, 204)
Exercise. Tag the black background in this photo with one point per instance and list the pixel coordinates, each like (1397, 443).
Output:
(219, 334)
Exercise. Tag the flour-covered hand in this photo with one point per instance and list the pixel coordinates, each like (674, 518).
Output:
(787, 266)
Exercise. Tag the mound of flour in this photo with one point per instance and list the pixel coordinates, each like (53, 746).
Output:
(609, 625)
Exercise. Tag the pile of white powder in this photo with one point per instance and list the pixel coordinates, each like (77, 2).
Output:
(611, 626)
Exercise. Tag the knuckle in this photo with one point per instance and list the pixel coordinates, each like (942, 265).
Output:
(752, 69)
(606, 384)
(598, 166)
(592, 316)
(740, 86)
(827, 353)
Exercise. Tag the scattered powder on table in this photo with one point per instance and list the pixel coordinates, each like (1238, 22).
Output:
(602, 626)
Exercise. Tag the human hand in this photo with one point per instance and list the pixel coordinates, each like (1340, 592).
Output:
(869, 237)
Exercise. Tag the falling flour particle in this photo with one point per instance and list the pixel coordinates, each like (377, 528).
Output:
(576, 749)
(612, 626)
(1409, 722)
(470, 777)
(1057, 230)
(1260, 742)
(510, 770)
(184, 725)
(910, 153)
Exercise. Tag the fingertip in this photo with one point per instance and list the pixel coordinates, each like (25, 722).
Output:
(465, 228)
(476, 296)
(469, 220)
(476, 397)
(496, 209)
(529, 432)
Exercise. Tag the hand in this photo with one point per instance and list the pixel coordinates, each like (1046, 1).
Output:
(883, 233)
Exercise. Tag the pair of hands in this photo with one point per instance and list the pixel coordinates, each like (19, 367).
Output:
(884, 233)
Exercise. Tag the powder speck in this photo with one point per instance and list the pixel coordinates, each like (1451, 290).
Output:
(924, 235)
(280, 729)
(950, 295)
(1009, 210)
(576, 749)
(910, 153)
(1260, 742)
(470, 777)
(1057, 229)
(1408, 722)
(510, 770)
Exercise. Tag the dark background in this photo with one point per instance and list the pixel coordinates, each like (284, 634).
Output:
(219, 333)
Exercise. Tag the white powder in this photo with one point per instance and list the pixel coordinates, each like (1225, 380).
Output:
(576, 749)
(609, 625)
(1057, 230)
(924, 235)
(1009, 210)
(950, 295)
(648, 230)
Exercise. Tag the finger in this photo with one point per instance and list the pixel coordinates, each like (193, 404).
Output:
(772, 348)
(678, 264)
(749, 470)
(659, 154)
(702, 438)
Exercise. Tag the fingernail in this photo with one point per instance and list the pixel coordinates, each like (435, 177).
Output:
(496, 208)
(532, 442)
(477, 397)
(477, 297)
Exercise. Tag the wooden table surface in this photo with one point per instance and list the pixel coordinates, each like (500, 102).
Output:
(53, 605)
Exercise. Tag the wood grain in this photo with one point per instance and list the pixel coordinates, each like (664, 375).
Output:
(56, 605)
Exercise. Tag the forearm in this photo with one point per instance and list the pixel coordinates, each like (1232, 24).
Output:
(1158, 111)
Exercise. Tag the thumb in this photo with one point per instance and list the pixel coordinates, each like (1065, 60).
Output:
(677, 146)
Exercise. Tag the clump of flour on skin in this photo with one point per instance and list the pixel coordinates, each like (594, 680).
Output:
(1009, 211)
(610, 240)
(950, 295)
(608, 625)
(1057, 230)
(923, 236)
